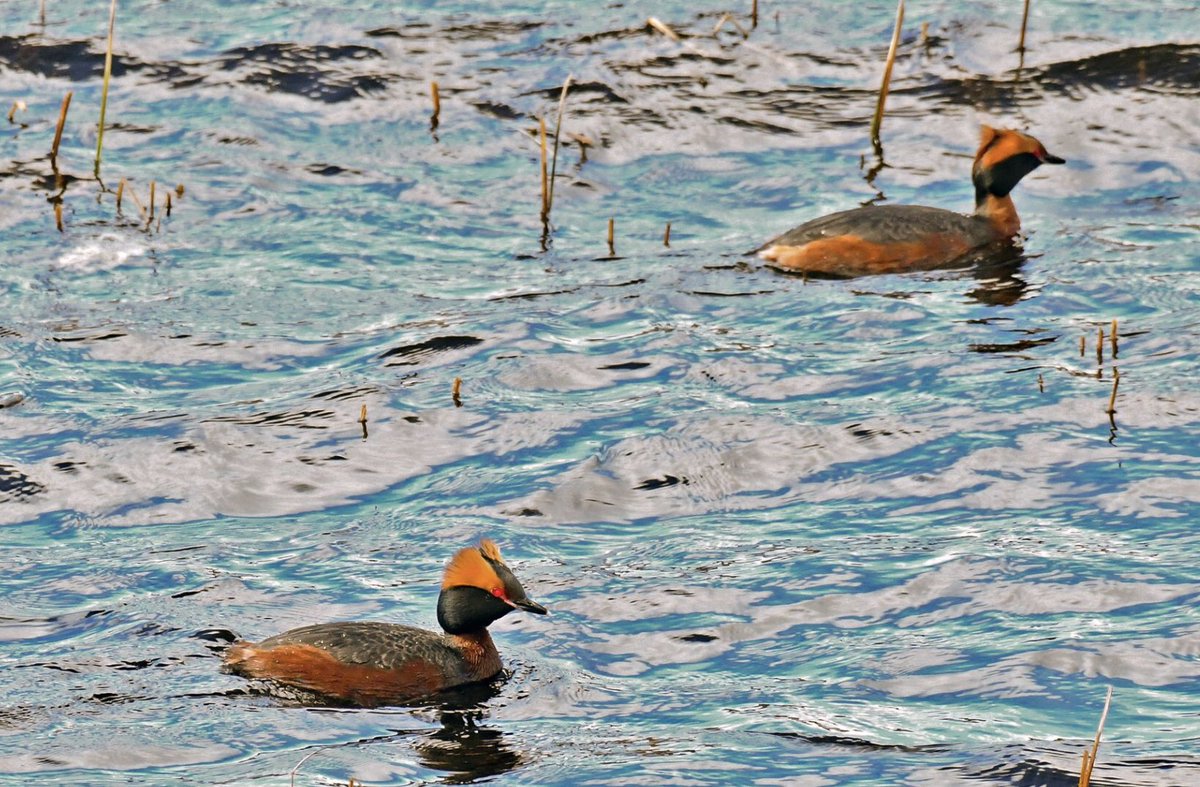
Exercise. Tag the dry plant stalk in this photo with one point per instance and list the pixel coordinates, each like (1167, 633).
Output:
(362, 415)
(58, 130)
(151, 200)
(877, 121)
(562, 106)
(667, 236)
(455, 390)
(1089, 758)
(58, 215)
(662, 27)
(120, 193)
(1100, 345)
(612, 249)
(167, 206)
(1024, 21)
(1113, 338)
(545, 172)
(112, 21)
(437, 104)
(1112, 398)
(1082, 346)
(17, 106)
(754, 14)
(141, 208)
(1041, 385)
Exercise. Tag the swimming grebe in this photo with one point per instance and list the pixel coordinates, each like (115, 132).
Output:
(899, 238)
(382, 663)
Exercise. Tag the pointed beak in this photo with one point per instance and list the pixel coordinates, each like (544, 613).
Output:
(1050, 158)
(529, 606)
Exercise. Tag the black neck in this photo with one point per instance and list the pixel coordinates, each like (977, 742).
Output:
(464, 609)
(1002, 178)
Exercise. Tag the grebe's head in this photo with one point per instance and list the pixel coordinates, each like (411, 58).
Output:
(1004, 157)
(478, 588)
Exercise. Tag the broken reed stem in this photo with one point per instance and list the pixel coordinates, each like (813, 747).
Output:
(1100, 346)
(1112, 398)
(877, 121)
(167, 206)
(562, 106)
(141, 208)
(612, 249)
(58, 215)
(545, 173)
(1113, 338)
(1082, 346)
(1041, 385)
(362, 415)
(662, 27)
(1089, 758)
(151, 201)
(437, 105)
(58, 130)
(667, 236)
(1024, 21)
(754, 14)
(455, 390)
(121, 193)
(112, 21)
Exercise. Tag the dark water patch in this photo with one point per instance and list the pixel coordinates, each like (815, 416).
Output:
(76, 61)
(1011, 347)
(338, 395)
(302, 70)
(498, 110)
(331, 170)
(860, 744)
(626, 366)
(16, 486)
(1172, 69)
(99, 337)
(659, 483)
(302, 419)
(415, 353)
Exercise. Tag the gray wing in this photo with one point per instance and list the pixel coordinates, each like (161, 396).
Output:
(888, 224)
(385, 645)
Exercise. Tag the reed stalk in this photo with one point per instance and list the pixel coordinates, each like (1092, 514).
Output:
(437, 105)
(612, 249)
(1041, 385)
(1112, 398)
(662, 27)
(877, 121)
(455, 390)
(58, 222)
(667, 236)
(58, 129)
(1089, 757)
(1082, 346)
(120, 193)
(1024, 22)
(167, 205)
(112, 21)
(562, 106)
(753, 14)
(1113, 338)
(151, 201)
(545, 174)
(1100, 345)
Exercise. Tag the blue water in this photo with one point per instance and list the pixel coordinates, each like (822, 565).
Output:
(880, 531)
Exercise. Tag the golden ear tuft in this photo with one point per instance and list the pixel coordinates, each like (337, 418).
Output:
(489, 549)
(986, 135)
(468, 567)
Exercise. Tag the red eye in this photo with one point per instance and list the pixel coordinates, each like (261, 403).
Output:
(498, 592)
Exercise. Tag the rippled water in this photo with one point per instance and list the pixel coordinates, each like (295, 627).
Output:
(878, 531)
